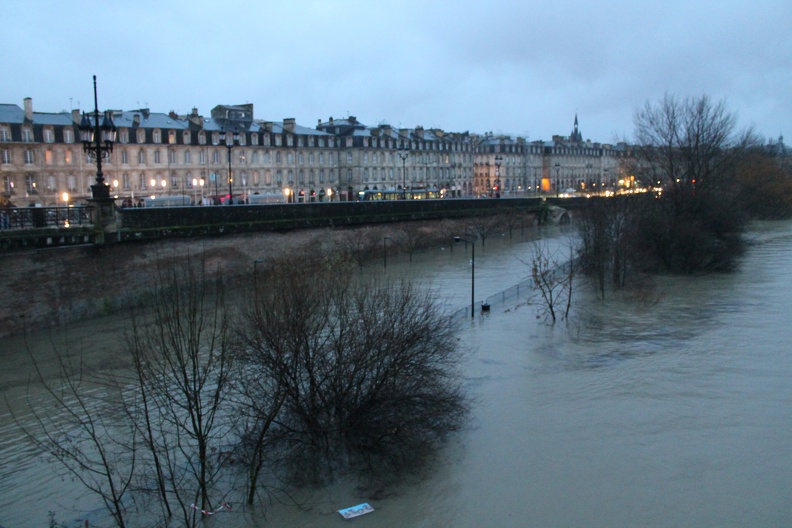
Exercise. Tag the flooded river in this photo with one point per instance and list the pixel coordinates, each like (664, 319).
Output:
(672, 408)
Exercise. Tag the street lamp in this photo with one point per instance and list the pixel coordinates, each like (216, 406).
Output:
(498, 161)
(229, 140)
(98, 144)
(404, 153)
(558, 178)
(385, 252)
(472, 273)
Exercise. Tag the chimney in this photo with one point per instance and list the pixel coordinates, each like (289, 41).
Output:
(76, 116)
(353, 120)
(173, 115)
(288, 124)
(331, 120)
(195, 111)
(419, 131)
(318, 124)
(136, 120)
(28, 108)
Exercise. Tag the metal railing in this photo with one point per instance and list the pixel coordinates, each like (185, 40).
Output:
(521, 290)
(45, 217)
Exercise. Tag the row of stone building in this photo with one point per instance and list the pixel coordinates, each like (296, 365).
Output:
(42, 159)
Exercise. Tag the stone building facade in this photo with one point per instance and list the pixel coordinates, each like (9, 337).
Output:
(189, 156)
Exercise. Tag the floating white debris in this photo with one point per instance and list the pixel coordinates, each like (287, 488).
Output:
(356, 511)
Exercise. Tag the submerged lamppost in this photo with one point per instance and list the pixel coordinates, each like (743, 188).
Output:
(472, 273)
(98, 143)
(229, 140)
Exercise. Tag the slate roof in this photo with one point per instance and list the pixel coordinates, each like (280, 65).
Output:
(11, 113)
(125, 118)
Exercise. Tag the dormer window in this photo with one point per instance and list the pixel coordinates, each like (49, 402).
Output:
(157, 136)
(186, 137)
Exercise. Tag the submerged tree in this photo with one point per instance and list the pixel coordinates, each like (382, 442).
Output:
(363, 374)
(691, 150)
(181, 351)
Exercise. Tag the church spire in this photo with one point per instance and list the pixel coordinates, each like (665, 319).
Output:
(576, 136)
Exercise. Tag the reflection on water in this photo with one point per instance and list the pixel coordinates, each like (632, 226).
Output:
(673, 410)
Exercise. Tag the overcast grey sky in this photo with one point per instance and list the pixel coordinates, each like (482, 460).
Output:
(507, 66)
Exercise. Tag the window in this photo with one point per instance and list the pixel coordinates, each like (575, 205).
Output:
(186, 137)
(141, 157)
(27, 135)
(48, 157)
(349, 175)
(202, 138)
(301, 177)
(6, 159)
(123, 135)
(187, 157)
(241, 139)
(124, 157)
(321, 175)
(278, 158)
(157, 136)
(215, 138)
(349, 157)
(321, 158)
(268, 178)
(254, 139)
(202, 157)
(49, 135)
(278, 140)
(174, 180)
(172, 157)
(300, 158)
(279, 177)
(290, 175)
(28, 157)
(331, 176)
(254, 158)
(311, 158)
(289, 141)
(125, 181)
(142, 181)
(290, 158)
(141, 136)
(157, 156)
(215, 157)
(51, 183)
(4, 134)
(172, 137)
(71, 183)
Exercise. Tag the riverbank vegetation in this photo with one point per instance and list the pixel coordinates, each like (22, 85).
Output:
(707, 181)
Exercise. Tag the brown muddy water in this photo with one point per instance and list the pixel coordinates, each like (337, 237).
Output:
(667, 409)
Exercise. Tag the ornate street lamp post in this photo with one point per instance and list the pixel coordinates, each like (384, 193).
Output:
(498, 161)
(98, 143)
(404, 153)
(229, 140)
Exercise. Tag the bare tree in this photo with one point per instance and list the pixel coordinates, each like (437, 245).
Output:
(359, 245)
(77, 426)
(690, 149)
(181, 351)
(482, 227)
(411, 238)
(553, 278)
(367, 370)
